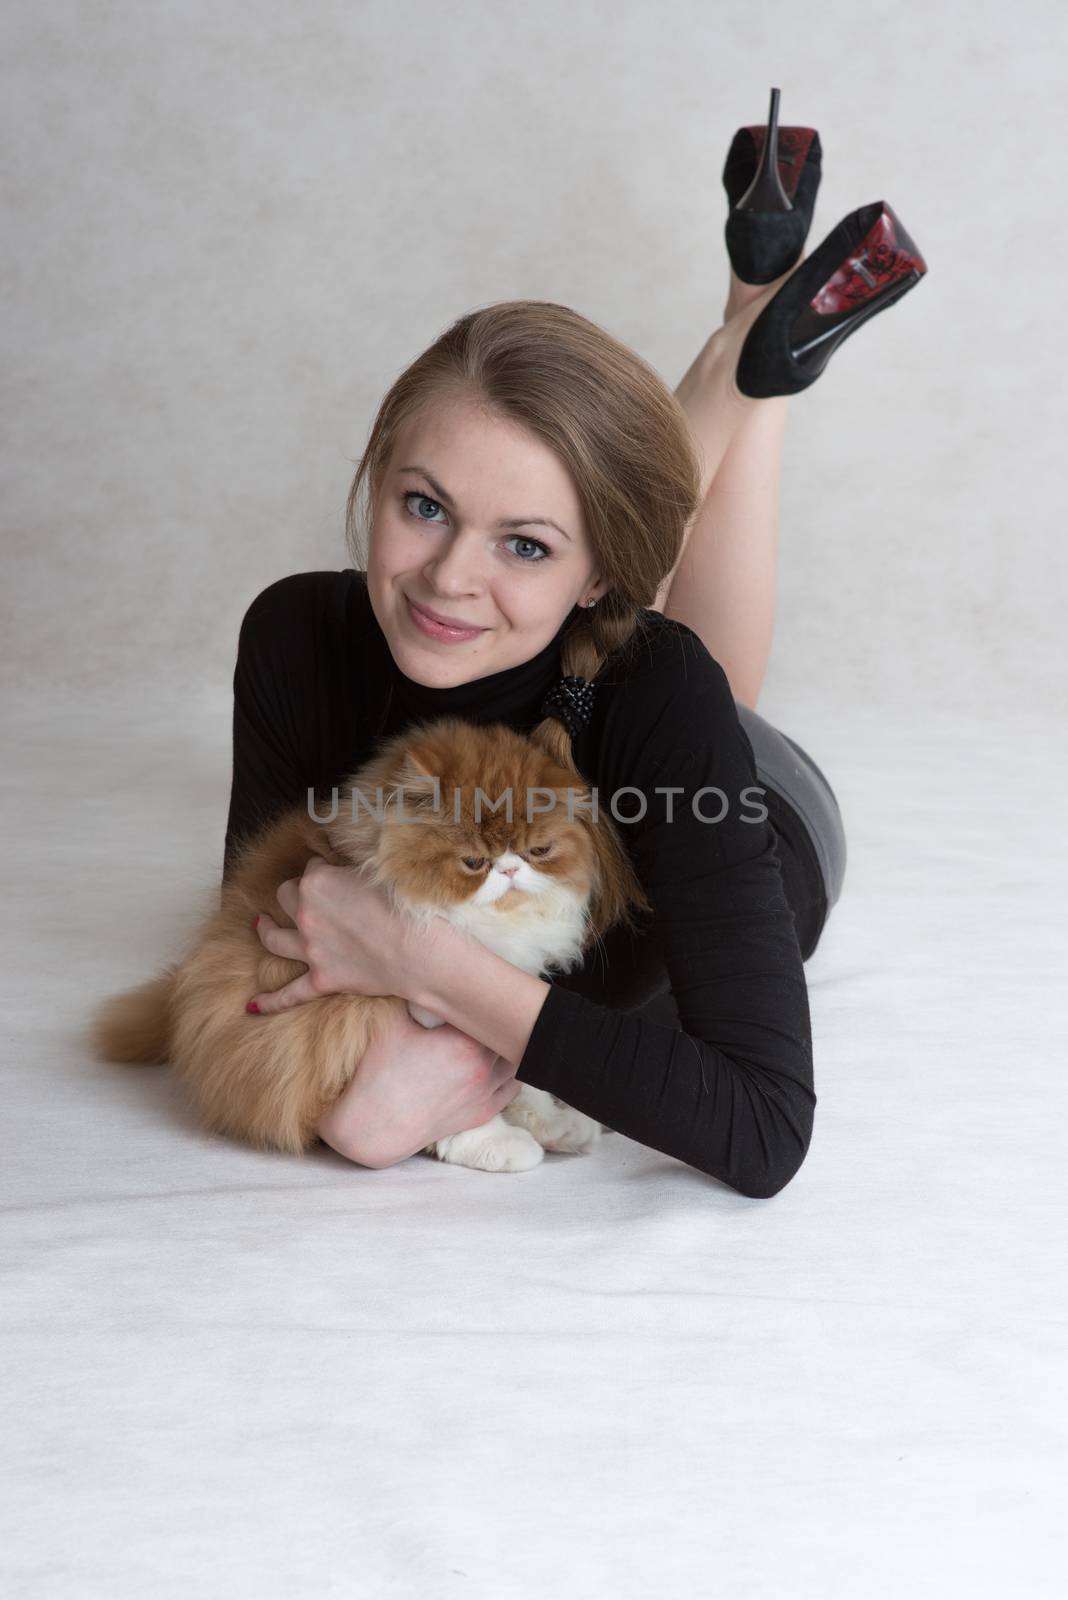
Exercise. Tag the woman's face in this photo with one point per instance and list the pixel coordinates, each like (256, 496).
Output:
(459, 527)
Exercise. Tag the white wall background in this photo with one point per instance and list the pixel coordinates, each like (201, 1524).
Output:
(229, 226)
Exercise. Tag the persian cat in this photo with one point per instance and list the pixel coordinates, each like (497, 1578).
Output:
(538, 892)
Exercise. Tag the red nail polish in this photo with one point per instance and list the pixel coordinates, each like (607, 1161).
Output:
(252, 1006)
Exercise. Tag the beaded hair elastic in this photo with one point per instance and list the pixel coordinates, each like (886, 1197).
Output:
(571, 702)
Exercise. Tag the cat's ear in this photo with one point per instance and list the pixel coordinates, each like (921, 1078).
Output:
(414, 774)
(415, 765)
(421, 786)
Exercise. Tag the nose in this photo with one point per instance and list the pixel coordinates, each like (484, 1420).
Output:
(454, 570)
(509, 872)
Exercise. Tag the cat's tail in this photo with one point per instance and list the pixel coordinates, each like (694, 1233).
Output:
(135, 1026)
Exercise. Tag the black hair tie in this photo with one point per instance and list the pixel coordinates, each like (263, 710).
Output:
(570, 702)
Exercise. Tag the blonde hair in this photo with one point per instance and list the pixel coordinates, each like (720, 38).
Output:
(613, 423)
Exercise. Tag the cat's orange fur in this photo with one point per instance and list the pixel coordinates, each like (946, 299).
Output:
(269, 1080)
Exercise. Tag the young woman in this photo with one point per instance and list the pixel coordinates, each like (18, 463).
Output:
(556, 539)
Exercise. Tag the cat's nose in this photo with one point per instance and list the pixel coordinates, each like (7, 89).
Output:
(509, 872)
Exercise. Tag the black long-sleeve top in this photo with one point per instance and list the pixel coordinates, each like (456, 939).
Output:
(731, 1091)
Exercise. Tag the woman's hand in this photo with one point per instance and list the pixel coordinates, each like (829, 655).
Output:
(415, 1085)
(348, 935)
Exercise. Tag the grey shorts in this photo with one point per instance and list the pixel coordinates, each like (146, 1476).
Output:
(809, 837)
(784, 767)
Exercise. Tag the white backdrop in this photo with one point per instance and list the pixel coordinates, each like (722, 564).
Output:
(227, 227)
(230, 226)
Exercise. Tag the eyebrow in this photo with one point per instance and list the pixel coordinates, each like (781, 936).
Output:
(505, 522)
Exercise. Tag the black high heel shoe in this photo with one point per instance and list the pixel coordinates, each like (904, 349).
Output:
(771, 176)
(863, 266)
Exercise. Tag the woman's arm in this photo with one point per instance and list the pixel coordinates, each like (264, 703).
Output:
(740, 1109)
(732, 1092)
(413, 1086)
(478, 991)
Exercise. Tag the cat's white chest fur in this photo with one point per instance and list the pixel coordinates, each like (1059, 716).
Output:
(540, 930)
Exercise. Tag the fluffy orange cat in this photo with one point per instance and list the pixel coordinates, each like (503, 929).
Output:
(536, 891)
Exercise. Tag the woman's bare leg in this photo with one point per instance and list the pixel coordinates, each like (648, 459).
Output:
(724, 583)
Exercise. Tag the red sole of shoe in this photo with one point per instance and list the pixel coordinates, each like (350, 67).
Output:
(884, 255)
(793, 148)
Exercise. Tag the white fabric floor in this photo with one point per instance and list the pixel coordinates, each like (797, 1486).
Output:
(243, 1375)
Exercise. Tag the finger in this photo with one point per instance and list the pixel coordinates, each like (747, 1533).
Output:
(279, 941)
(293, 994)
(287, 895)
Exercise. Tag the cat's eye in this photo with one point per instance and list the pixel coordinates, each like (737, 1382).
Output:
(474, 862)
(539, 850)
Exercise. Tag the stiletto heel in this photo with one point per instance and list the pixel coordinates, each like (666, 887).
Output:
(863, 266)
(771, 176)
(766, 192)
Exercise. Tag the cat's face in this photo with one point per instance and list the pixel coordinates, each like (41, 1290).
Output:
(441, 848)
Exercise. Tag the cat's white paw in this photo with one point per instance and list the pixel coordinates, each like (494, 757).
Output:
(555, 1125)
(496, 1146)
(576, 1134)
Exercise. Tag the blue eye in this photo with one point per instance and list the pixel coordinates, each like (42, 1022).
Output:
(413, 494)
(543, 551)
(536, 544)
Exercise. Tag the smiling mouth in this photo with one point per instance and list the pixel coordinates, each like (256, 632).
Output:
(446, 625)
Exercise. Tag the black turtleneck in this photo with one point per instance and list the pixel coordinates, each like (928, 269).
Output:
(730, 1091)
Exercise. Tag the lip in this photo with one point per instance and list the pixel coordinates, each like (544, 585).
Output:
(436, 627)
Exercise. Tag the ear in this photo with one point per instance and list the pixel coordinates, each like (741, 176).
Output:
(414, 767)
(420, 784)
